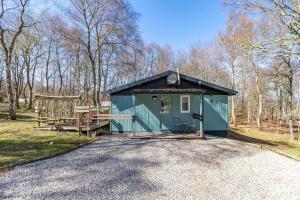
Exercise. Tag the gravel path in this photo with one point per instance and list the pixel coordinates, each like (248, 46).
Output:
(115, 168)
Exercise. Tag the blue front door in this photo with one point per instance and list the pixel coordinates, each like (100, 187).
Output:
(165, 112)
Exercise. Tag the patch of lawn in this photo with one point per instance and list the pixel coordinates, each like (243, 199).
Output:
(267, 138)
(20, 141)
(22, 113)
(2, 104)
(20, 116)
(3, 115)
(25, 110)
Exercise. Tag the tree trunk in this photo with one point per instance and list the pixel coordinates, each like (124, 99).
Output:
(30, 78)
(24, 95)
(277, 117)
(105, 74)
(99, 82)
(8, 57)
(94, 86)
(233, 117)
(77, 71)
(255, 68)
(105, 79)
(85, 86)
(30, 98)
(259, 112)
(290, 117)
(99, 51)
(53, 84)
(289, 100)
(18, 74)
(248, 112)
(59, 71)
(9, 90)
(17, 96)
(233, 112)
(93, 65)
(292, 137)
(1, 80)
(47, 67)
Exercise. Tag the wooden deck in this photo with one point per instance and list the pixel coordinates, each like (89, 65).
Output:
(88, 120)
(73, 127)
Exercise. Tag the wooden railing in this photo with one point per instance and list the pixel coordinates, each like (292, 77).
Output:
(86, 111)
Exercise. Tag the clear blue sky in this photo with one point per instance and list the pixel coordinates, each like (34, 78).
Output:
(179, 23)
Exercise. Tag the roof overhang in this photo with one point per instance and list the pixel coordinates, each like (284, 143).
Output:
(168, 90)
(196, 81)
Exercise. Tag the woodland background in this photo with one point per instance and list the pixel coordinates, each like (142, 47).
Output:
(91, 46)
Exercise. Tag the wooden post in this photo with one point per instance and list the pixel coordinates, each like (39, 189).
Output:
(39, 114)
(98, 121)
(88, 122)
(202, 118)
(38, 119)
(133, 119)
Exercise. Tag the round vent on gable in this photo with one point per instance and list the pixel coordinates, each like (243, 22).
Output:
(172, 79)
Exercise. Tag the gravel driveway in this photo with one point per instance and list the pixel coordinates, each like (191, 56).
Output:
(115, 168)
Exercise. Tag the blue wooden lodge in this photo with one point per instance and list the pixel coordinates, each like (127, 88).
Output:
(171, 102)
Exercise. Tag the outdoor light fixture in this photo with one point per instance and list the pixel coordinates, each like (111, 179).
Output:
(154, 97)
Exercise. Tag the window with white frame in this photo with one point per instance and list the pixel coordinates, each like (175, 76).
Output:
(185, 103)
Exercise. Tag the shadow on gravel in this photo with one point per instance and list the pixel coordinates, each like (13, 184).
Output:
(116, 169)
(124, 143)
(102, 170)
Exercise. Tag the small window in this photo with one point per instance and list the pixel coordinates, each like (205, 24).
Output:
(165, 104)
(185, 104)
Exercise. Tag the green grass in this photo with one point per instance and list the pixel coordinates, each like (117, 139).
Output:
(20, 141)
(20, 116)
(2, 104)
(22, 113)
(25, 110)
(268, 138)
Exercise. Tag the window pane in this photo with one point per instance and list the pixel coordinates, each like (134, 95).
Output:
(165, 104)
(185, 104)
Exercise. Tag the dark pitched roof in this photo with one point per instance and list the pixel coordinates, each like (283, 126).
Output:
(182, 76)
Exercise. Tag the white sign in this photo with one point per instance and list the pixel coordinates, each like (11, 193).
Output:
(105, 103)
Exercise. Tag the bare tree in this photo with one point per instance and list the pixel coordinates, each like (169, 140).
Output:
(165, 59)
(230, 41)
(31, 53)
(151, 56)
(85, 14)
(18, 74)
(253, 32)
(285, 18)
(283, 39)
(8, 38)
(284, 72)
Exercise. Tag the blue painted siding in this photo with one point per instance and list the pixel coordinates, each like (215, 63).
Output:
(122, 105)
(149, 118)
(215, 113)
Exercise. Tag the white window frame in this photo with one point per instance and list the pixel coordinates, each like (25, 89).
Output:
(189, 103)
